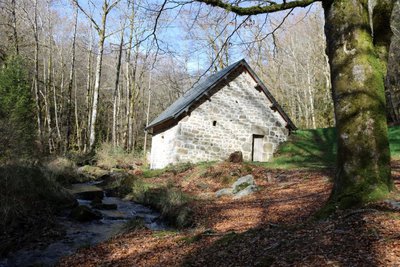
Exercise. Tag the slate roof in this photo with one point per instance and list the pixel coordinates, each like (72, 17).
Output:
(197, 92)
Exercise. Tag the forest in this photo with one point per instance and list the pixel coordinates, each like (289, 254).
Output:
(98, 70)
(80, 80)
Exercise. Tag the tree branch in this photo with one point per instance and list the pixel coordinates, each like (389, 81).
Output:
(255, 10)
(96, 26)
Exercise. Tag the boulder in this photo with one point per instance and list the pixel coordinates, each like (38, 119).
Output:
(245, 192)
(224, 192)
(244, 186)
(236, 157)
(85, 214)
(242, 183)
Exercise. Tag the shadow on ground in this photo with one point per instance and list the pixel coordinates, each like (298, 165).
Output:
(274, 227)
(364, 237)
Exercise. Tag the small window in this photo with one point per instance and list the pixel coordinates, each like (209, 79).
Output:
(214, 123)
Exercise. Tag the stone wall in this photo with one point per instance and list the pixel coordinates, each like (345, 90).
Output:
(163, 148)
(221, 126)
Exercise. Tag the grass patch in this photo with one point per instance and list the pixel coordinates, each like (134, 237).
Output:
(164, 233)
(310, 149)
(148, 173)
(394, 141)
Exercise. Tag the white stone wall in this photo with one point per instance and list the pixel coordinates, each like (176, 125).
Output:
(163, 148)
(238, 111)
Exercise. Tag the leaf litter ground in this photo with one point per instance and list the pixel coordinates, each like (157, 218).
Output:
(273, 227)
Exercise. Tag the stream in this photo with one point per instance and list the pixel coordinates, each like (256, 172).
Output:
(83, 234)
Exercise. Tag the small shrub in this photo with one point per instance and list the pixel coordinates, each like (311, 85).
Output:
(140, 191)
(108, 157)
(62, 170)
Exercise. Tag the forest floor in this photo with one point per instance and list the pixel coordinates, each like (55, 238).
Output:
(273, 227)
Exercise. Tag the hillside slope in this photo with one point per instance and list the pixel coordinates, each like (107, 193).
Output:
(317, 149)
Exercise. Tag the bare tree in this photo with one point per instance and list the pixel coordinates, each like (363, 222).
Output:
(70, 82)
(108, 5)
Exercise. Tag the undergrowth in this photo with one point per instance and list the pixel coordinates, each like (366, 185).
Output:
(172, 203)
(108, 156)
(29, 198)
(62, 170)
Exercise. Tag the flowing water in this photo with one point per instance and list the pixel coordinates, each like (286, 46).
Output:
(79, 234)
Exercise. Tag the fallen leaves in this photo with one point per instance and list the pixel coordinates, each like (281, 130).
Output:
(270, 228)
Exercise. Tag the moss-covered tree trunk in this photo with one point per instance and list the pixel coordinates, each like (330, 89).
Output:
(363, 163)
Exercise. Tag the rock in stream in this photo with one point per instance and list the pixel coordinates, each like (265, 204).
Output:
(85, 233)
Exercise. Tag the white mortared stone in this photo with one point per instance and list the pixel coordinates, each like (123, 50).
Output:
(221, 126)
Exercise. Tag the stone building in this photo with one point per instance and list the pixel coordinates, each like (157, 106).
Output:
(231, 110)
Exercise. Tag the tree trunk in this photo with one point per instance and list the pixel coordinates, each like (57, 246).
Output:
(56, 112)
(46, 97)
(70, 84)
(99, 60)
(78, 128)
(363, 159)
(14, 26)
(88, 90)
(311, 95)
(132, 104)
(116, 86)
(128, 74)
(147, 118)
(36, 77)
(49, 79)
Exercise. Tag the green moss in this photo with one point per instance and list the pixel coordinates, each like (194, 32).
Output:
(164, 233)
(147, 173)
(241, 187)
(192, 239)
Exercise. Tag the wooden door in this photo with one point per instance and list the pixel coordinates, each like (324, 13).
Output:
(258, 147)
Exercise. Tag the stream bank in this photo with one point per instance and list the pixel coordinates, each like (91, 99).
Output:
(84, 234)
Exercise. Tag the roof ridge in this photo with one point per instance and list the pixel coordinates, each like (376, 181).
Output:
(196, 91)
